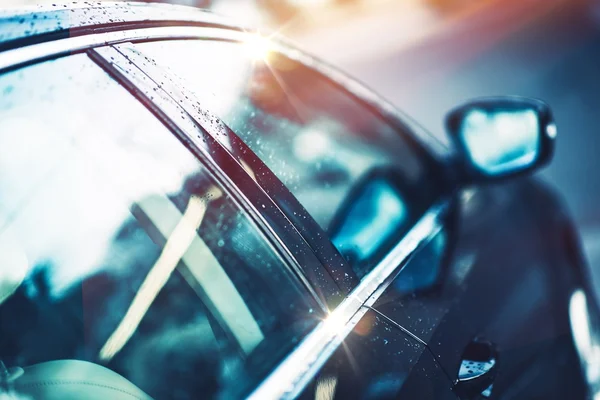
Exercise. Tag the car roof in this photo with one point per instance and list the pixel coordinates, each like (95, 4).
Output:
(21, 26)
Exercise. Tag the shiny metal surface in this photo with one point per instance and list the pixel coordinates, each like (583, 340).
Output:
(46, 49)
(47, 22)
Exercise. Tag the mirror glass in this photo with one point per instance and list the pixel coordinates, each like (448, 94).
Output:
(500, 141)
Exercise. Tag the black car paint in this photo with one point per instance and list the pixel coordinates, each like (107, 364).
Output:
(526, 256)
(514, 294)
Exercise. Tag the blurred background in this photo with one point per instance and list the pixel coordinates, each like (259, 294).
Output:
(427, 55)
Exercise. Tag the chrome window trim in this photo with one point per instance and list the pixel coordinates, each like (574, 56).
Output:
(40, 51)
(45, 22)
(296, 371)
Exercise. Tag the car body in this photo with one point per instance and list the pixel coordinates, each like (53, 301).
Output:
(192, 210)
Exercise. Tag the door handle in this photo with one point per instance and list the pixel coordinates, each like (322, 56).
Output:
(478, 369)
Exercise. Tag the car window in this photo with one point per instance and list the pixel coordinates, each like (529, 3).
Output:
(317, 139)
(119, 248)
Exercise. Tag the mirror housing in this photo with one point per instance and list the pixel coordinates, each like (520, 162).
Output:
(501, 137)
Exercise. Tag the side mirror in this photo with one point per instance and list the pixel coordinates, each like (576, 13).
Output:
(500, 137)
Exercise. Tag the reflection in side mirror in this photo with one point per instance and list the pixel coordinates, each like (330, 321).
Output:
(498, 137)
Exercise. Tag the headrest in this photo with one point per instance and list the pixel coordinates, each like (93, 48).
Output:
(74, 379)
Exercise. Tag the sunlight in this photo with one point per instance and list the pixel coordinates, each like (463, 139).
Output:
(334, 323)
(258, 47)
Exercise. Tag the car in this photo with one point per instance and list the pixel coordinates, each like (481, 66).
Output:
(192, 209)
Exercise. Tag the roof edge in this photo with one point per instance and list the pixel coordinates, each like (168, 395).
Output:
(30, 25)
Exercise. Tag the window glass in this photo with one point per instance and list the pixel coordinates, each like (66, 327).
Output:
(318, 139)
(118, 248)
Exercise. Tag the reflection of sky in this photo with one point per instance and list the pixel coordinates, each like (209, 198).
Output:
(65, 174)
(501, 140)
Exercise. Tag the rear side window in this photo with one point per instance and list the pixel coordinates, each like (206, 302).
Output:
(318, 139)
(118, 248)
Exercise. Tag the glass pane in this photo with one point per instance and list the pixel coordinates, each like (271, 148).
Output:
(501, 141)
(314, 136)
(118, 248)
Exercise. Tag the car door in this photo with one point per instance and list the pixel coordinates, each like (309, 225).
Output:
(496, 285)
